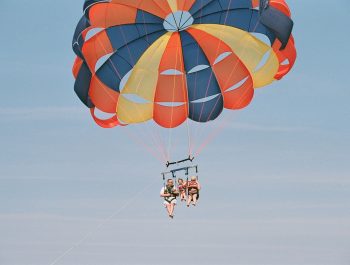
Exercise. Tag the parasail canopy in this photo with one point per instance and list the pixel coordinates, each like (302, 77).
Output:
(173, 60)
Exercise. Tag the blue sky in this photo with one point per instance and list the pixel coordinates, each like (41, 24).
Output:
(276, 186)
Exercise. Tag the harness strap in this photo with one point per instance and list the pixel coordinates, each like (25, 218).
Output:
(169, 199)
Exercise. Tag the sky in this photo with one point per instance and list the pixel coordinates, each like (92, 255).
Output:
(276, 187)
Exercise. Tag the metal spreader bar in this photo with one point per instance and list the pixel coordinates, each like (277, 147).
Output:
(173, 171)
(189, 158)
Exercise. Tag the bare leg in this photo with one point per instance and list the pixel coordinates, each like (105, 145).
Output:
(168, 208)
(194, 199)
(171, 213)
(189, 199)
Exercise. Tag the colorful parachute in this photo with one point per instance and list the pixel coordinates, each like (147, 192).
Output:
(170, 60)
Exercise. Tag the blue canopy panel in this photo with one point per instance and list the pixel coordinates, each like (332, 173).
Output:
(192, 52)
(113, 70)
(151, 31)
(132, 51)
(213, 18)
(210, 8)
(205, 7)
(232, 4)
(124, 59)
(202, 85)
(256, 26)
(82, 85)
(120, 36)
(206, 111)
(147, 18)
(125, 35)
(263, 5)
(279, 23)
(77, 39)
(239, 18)
(146, 23)
(245, 19)
(200, 5)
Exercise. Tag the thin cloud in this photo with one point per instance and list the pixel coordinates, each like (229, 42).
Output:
(266, 128)
(41, 113)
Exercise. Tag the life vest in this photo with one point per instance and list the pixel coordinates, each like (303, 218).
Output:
(193, 186)
(170, 190)
(182, 187)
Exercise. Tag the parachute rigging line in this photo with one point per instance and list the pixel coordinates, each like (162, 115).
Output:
(101, 224)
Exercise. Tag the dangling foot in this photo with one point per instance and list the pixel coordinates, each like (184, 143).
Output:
(171, 216)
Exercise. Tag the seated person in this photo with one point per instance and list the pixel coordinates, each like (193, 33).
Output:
(193, 188)
(169, 193)
(182, 186)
